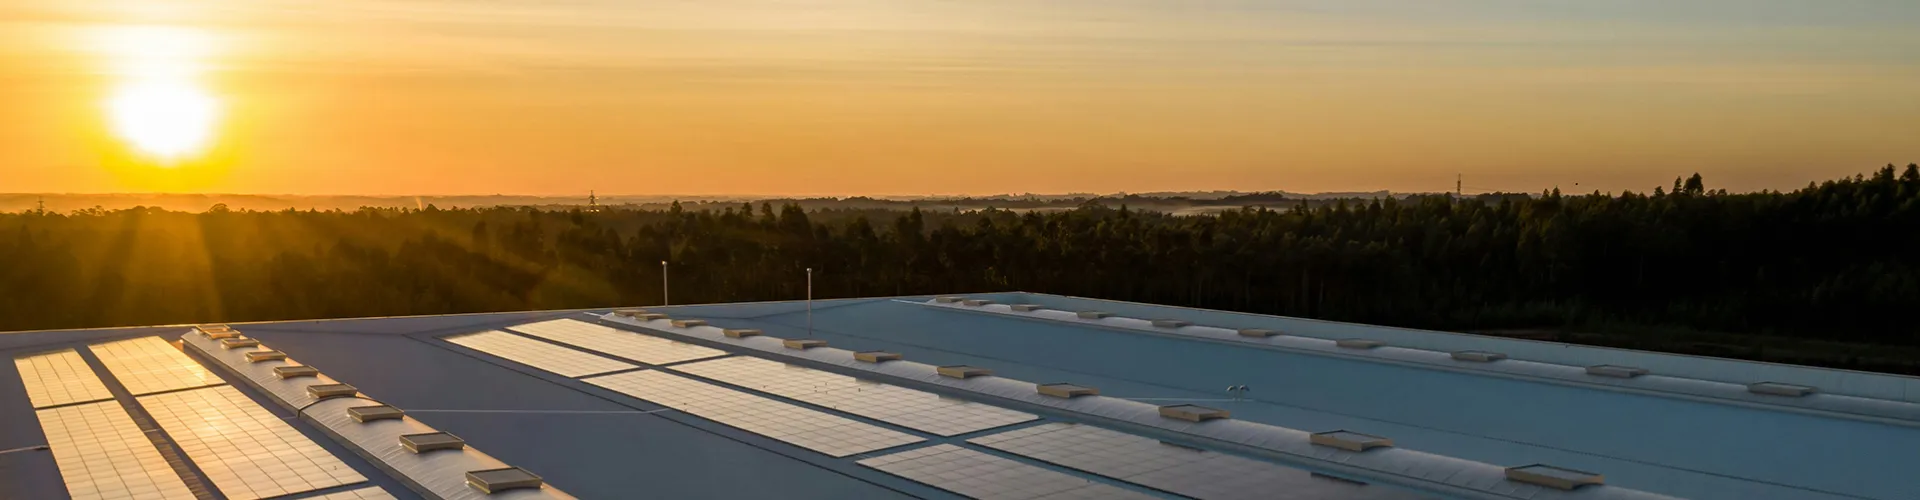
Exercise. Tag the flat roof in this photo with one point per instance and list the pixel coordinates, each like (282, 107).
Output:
(594, 442)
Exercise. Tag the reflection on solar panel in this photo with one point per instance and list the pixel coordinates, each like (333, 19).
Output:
(813, 430)
(537, 354)
(984, 476)
(147, 365)
(244, 449)
(102, 454)
(1147, 462)
(887, 403)
(625, 344)
(58, 378)
(367, 493)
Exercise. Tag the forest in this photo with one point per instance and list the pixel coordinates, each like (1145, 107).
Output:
(1827, 274)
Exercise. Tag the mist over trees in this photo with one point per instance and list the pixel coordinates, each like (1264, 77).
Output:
(1835, 261)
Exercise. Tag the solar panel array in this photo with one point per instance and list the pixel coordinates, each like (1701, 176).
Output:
(102, 454)
(897, 405)
(245, 450)
(59, 378)
(1187, 471)
(984, 476)
(814, 430)
(537, 354)
(147, 365)
(622, 343)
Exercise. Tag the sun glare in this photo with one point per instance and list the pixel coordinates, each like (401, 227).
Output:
(169, 120)
(159, 108)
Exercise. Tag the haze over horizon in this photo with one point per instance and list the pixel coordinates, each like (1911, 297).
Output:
(891, 97)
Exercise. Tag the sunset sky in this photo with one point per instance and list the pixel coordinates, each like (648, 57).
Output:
(842, 97)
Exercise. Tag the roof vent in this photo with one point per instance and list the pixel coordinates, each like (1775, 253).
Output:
(1616, 371)
(688, 323)
(494, 480)
(948, 299)
(1478, 356)
(422, 443)
(649, 316)
(1171, 323)
(1358, 343)
(1192, 413)
(212, 328)
(237, 342)
(287, 372)
(628, 313)
(1780, 389)
(803, 344)
(1065, 390)
(1095, 315)
(1553, 477)
(975, 302)
(1026, 308)
(740, 333)
(1351, 441)
(875, 356)
(258, 356)
(228, 334)
(963, 371)
(1257, 332)
(364, 414)
(324, 391)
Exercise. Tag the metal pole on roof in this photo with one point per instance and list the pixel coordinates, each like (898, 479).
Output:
(809, 302)
(663, 285)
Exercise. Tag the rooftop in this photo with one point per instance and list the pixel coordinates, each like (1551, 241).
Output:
(671, 404)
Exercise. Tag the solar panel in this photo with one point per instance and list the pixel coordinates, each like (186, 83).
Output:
(813, 430)
(102, 454)
(537, 354)
(147, 365)
(625, 344)
(367, 493)
(909, 408)
(1177, 469)
(984, 476)
(58, 378)
(245, 450)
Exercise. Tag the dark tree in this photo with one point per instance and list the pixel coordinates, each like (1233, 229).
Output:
(1688, 269)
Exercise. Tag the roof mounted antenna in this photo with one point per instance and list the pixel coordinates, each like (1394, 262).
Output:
(663, 284)
(809, 302)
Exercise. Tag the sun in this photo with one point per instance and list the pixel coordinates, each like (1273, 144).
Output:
(169, 120)
(159, 107)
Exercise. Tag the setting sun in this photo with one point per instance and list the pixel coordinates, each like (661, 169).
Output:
(159, 108)
(168, 120)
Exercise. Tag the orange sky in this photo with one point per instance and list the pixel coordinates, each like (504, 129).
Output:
(818, 97)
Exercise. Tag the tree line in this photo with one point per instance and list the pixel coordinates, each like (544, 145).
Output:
(1835, 261)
